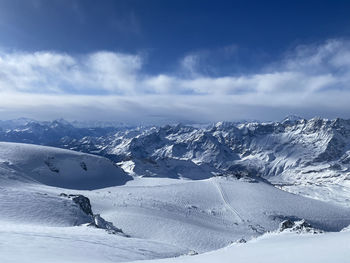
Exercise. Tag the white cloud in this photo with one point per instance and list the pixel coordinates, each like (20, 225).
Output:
(110, 71)
(37, 72)
(311, 80)
(45, 72)
(190, 63)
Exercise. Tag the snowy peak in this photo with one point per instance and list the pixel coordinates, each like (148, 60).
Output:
(294, 151)
(235, 171)
(292, 119)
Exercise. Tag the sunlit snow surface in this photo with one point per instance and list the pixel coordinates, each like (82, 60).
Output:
(34, 243)
(163, 217)
(281, 248)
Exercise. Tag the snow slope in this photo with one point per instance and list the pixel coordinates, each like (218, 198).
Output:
(277, 248)
(58, 167)
(25, 169)
(30, 205)
(38, 224)
(163, 217)
(204, 215)
(23, 243)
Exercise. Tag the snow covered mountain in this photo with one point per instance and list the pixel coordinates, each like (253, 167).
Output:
(167, 191)
(36, 181)
(309, 157)
(305, 156)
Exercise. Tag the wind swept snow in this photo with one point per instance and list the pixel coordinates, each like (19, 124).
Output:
(23, 243)
(194, 214)
(277, 248)
(58, 167)
(163, 217)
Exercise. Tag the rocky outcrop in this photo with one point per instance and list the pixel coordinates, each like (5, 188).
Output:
(300, 226)
(96, 220)
(82, 201)
(99, 222)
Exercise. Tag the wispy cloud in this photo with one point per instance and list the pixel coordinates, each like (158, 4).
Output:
(311, 80)
(48, 72)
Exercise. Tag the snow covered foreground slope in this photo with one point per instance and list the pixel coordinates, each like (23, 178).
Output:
(40, 224)
(164, 217)
(208, 214)
(278, 248)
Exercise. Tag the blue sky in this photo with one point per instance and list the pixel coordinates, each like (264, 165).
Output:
(168, 61)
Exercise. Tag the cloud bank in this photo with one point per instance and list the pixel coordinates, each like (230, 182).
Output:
(309, 80)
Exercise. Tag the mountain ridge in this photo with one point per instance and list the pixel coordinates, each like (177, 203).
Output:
(291, 154)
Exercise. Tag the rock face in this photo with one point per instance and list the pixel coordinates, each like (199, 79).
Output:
(286, 224)
(99, 222)
(96, 220)
(83, 202)
(299, 227)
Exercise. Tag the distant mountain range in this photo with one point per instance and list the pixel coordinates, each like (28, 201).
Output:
(310, 157)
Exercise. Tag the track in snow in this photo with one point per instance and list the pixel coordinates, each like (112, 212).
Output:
(224, 198)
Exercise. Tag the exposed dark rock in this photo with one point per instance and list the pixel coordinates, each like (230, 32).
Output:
(242, 240)
(83, 165)
(286, 224)
(300, 226)
(49, 162)
(96, 220)
(83, 202)
(99, 222)
(192, 253)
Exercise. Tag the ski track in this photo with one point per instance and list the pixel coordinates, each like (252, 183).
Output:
(225, 199)
(163, 218)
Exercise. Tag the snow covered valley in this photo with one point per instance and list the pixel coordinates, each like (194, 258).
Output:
(180, 207)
